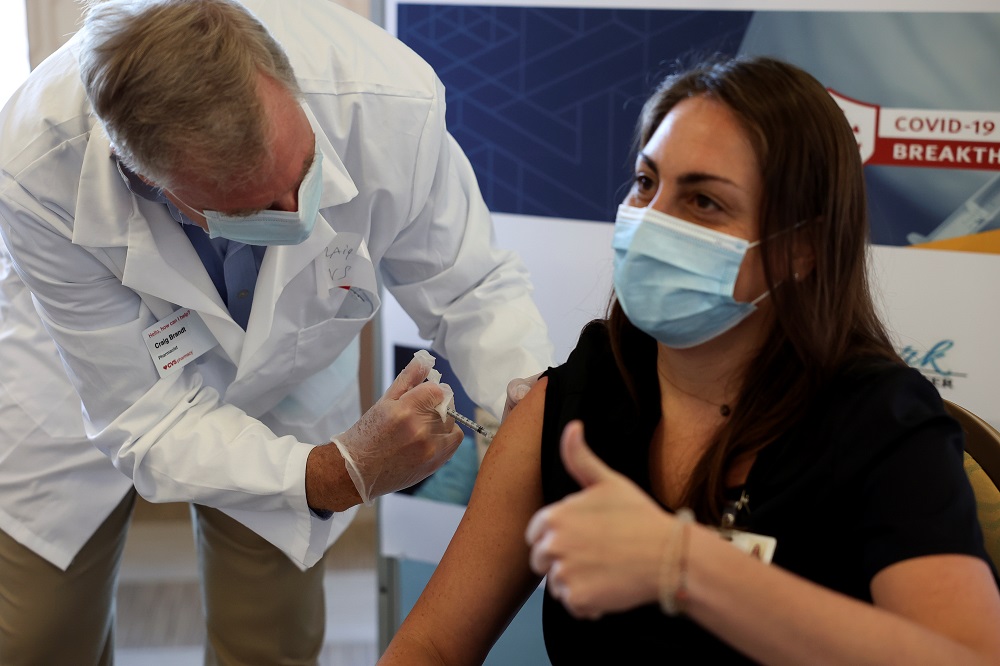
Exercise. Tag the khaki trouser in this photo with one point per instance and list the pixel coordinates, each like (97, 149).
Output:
(260, 608)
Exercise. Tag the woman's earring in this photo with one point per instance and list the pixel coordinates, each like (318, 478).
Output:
(795, 276)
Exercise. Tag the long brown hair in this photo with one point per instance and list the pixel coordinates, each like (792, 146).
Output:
(813, 190)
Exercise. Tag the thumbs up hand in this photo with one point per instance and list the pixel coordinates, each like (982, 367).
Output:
(582, 463)
(601, 547)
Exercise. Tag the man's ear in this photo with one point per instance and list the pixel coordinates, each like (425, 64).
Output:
(147, 181)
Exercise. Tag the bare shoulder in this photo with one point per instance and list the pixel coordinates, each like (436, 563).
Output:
(511, 470)
(532, 405)
(521, 431)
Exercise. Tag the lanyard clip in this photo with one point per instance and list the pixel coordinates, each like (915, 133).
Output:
(730, 512)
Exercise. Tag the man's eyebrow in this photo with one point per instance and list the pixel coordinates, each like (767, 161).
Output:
(246, 212)
(306, 165)
(242, 212)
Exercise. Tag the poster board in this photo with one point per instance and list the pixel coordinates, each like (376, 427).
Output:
(543, 98)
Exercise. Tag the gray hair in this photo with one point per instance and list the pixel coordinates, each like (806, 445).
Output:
(175, 85)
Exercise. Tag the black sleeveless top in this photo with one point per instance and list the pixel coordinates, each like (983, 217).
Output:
(871, 475)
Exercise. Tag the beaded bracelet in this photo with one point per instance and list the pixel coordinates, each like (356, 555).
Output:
(673, 572)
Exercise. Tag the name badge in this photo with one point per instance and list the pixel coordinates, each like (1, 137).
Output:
(759, 546)
(176, 340)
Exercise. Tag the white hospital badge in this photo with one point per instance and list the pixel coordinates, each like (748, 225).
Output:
(759, 546)
(177, 339)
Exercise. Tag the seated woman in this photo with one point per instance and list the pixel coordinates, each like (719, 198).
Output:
(742, 373)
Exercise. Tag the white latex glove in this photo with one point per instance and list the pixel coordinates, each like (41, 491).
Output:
(424, 357)
(402, 439)
(517, 389)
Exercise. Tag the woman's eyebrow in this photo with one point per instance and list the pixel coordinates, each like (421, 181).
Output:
(691, 178)
(648, 161)
(700, 177)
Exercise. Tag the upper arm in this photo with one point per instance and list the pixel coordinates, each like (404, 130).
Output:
(484, 575)
(921, 513)
(953, 595)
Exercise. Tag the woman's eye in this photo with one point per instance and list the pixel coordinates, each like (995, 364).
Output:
(643, 186)
(702, 202)
(641, 191)
(642, 182)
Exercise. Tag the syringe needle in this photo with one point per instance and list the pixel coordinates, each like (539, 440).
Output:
(469, 423)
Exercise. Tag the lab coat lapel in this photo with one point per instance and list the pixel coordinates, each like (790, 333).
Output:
(163, 263)
(159, 259)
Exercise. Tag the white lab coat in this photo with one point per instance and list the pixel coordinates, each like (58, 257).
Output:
(233, 430)
(55, 488)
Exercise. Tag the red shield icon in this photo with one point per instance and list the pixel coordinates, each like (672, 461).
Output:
(863, 118)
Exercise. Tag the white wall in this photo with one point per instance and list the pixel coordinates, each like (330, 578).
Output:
(13, 48)
(52, 22)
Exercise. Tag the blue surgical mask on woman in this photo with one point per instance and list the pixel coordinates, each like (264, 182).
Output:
(274, 227)
(675, 279)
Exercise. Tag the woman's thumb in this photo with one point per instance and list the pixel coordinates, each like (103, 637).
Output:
(582, 463)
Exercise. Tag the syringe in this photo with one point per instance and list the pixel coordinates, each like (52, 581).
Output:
(470, 424)
(979, 213)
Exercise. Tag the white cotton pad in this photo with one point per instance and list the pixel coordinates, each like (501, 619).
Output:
(425, 359)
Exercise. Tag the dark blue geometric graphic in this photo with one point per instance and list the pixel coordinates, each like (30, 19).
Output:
(540, 97)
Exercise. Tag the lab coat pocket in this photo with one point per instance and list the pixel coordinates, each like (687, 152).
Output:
(358, 304)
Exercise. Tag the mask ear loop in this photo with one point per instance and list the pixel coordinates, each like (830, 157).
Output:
(189, 206)
(767, 293)
(795, 275)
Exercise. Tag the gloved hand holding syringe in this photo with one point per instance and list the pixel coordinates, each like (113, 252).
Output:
(402, 439)
(435, 376)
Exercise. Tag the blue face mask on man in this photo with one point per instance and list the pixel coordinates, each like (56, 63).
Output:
(675, 279)
(274, 227)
